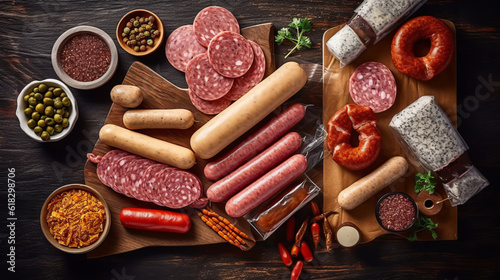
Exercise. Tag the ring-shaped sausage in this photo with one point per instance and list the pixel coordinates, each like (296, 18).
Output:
(440, 52)
(340, 127)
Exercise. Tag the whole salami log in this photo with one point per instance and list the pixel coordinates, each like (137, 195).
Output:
(182, 46)
(211, 21)
(266, 186)
(230, 54)
(255, 143)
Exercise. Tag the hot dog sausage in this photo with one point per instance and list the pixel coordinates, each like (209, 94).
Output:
(366, 187)
(127, 96)
(250, 171)
(255, 143)
(155, 220)
(147, 146)
(243, 114)
(158, 118)
(266, 186)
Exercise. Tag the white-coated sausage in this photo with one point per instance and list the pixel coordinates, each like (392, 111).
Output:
(147, 146)
(243, 114)
(127, 95)
(158, 118)
(361, 190)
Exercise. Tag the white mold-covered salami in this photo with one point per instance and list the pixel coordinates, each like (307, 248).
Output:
(209, 107)
(204, 81)
(182, 47)
(211, 21)
(252, 77)
(373, 85)
(345, 45)
(230, 54)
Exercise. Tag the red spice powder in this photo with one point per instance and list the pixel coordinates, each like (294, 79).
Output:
(396, 212)
(85, 57)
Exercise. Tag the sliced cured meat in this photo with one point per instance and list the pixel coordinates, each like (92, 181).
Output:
(204, 81)
(150, 178)
(200, 203)
(211, 21)
(373, 85)
(182, 47)
(105, 168)
(209, 107)
(159, 185)
(230, 54)
(179, 189)
(120, 180)
(134, 180)
(252, 77)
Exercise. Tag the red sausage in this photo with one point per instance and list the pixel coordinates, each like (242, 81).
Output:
(155, 220)
(256, 143)
(253, 169)
(266, 186)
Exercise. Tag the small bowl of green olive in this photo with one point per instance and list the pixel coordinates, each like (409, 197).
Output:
(47, 110)
(140, 32)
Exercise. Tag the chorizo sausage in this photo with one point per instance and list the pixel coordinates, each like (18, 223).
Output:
(147, 146)
(361, 190)
(246, 112)
(155, 220)
(158, 118)
(255, 143)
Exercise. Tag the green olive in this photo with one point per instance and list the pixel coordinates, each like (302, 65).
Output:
(35, 116)
(32, 94)
(45, 136)
(38, 96)
(49, 111)
(66, 102)
(58, 128)
(50, 121)
(26, 97)
(43, 88)
(31, 107)
(150, 42)
(58, 103)
(35, 90)
(63, 94)
(38, 130)
(50, 130)
(58, 118)
(31, 123)
(66, 114)
(65, 122)
(40, 108)
(48, 101)
(41, 123)
(57, 91)
(60, 111)
(43, 117)
(51, 89)
(32, 101)
(28, 111)
(48, 94)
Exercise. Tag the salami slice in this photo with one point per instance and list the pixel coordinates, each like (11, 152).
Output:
(120, 181)
(179, 189)
(373, 85)
(252, 77)
(182, 46)
(209, 107)
(106, 166)
(149, 180)
(230, 54)
(211, 21)
(134, 178)
(204, 81)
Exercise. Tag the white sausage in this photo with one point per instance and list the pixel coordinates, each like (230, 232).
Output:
(158, 118)
(247, 111)
(147, 146)
(361, 190)
(127, 96)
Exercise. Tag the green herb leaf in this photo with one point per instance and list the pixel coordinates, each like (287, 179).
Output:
(424, 223)
(424, 182)
(299, 27)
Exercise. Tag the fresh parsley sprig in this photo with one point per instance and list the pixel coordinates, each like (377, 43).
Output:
(300, 26)
(424, 223)
(424, 182)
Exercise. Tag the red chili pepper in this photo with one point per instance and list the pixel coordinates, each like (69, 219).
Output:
(290, 229)
(295, 251)
(316, 234)
(285, 256)
(297, 269)
(315, 208)
(306, 252)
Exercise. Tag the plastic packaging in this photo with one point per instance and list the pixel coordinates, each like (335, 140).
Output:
(428, 136)
(372, 20)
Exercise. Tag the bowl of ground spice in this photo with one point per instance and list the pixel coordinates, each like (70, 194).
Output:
(396, 212)
(75, 219)
(84, 57)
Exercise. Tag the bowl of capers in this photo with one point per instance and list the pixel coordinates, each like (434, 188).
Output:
(47, 110)
(140, 32)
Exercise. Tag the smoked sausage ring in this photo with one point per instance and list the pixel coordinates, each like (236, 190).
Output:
(440, 53)
(340, 127)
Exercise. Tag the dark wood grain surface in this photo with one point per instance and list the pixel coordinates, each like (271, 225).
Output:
(29, 28)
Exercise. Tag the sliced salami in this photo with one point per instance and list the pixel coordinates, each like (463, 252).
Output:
(204, 81)
(150, 179)
(209, 107)
(373, 85)
(211, 21)
(106, 166)
(252, 77)
(119, 182)
(134, 181)
(230, 54)
(179, 189)
(182, 47)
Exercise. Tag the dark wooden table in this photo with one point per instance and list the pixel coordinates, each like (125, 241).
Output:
(29, 28)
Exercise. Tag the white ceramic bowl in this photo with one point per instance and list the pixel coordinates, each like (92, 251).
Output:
(61, 41)
(23, 119)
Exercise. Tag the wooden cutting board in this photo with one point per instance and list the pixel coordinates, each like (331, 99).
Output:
(160, 93)
(336, 178)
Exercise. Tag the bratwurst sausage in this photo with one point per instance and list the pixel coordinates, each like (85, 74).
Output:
(247, 111)
(158, 119)
(155, 220)
(361, 190)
